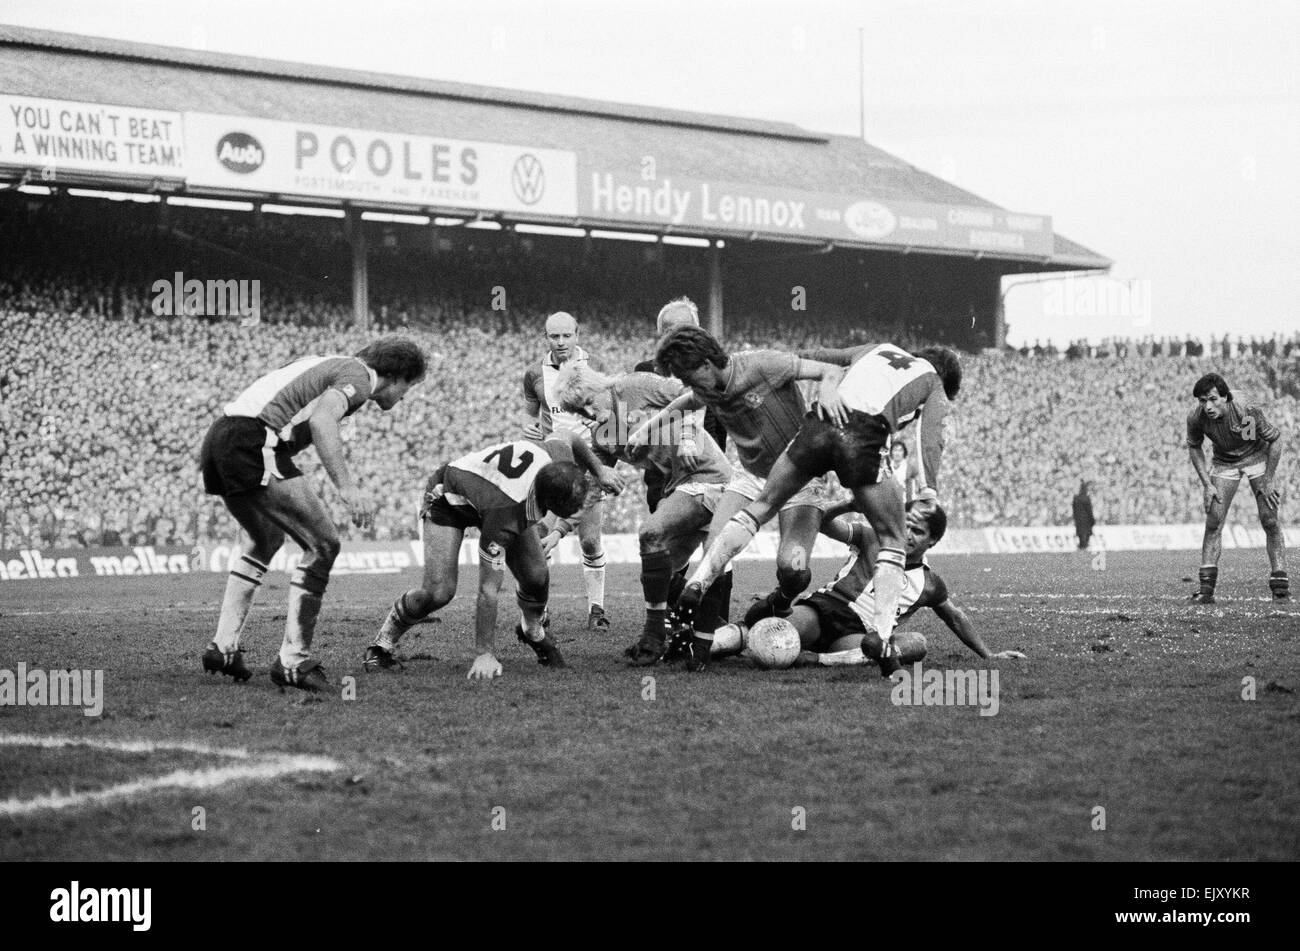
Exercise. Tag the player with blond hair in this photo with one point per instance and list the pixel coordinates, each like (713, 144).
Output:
(691, 469)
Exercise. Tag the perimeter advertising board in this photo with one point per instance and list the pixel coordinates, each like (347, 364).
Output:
(370, 166)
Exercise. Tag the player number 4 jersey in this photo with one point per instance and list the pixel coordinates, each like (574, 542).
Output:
(889, 382)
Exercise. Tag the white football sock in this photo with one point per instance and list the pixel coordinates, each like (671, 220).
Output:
(888, 581)
(241, 587)
(734, 538)
(593, 574)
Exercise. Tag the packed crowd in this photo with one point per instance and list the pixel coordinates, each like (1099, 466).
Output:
(1223, 348)
(100, 421)
(103, 403)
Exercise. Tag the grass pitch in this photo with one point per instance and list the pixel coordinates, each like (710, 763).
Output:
(1131, 700)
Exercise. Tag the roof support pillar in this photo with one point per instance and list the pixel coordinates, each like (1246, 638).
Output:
(716, 326)
(356, 235)
(1000, 323)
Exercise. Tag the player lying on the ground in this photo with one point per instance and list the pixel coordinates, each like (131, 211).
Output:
(833, 621)
(778, 603)
(247, 459)
(503, 491)
(691, 473)
(756, 396)
(1245, 444)
(884, 389)
(543, 416)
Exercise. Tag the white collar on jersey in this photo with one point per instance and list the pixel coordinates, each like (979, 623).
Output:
(374, 378)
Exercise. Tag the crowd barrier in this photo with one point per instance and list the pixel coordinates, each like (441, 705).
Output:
(371, 558)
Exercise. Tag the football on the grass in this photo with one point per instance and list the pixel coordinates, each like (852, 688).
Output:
(773, 643)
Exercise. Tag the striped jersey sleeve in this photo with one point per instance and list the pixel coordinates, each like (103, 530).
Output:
(285, 399)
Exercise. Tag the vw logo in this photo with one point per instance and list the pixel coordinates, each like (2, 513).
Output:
(528, 178)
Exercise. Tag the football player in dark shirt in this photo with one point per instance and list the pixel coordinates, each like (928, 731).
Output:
(1245, 445)
(681, 312)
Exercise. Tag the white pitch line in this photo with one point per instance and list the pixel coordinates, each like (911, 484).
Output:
(121, 746)
(263, 766)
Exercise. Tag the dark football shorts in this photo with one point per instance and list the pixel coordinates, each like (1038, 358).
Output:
(240, 454)
(855, 452)
(439, 507)
(836, 618)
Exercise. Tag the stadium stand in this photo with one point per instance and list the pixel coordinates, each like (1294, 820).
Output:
(103, 403)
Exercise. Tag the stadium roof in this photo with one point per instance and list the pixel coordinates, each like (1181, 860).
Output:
(761, 155)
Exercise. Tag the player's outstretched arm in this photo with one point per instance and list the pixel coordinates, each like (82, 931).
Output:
(529, 422)
(829, 405)
(1271, 496)
(586, 457)
(840, 357)
(491, 573)
(960, 624)
(1211, 494)
(324, 424)
(685, 403)
(931, 423)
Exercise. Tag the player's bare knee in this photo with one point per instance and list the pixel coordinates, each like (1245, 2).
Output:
(422, 602)
(1214, 524)
(325, 549)
(264, 549)
(1268, 520)
(440, 594)
(651, 539)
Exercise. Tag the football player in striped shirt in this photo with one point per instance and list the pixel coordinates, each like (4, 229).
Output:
(247, 459)
(1245, 445)
(833, 621)
(504, 491)
(691, 470)
(884, 389)
(543, 416)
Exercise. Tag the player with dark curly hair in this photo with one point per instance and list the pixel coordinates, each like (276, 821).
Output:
(247, 459)
(883, 390)
(757, 398)
(1245, 445)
